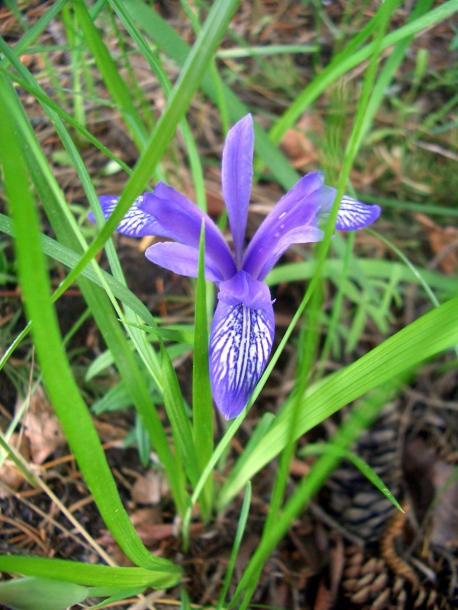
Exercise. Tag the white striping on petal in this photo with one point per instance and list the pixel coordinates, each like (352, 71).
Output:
(134, 221)
(240, 347)
(355, 215)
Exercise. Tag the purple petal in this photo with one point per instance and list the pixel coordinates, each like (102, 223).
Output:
(240, 343)
(244, 289)
(355, 215)
(136, 223)
(182, 221)
(301, 235)
(181, 259)
(236, 176)
(296, 210)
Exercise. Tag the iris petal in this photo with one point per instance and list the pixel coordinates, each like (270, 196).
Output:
(301, 235)
(355, 215)
(182, 221)
(296, 210)
(181, 259)
(136, 222)
(236, 176)
(240, 344)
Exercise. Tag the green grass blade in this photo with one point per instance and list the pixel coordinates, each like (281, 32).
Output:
(237, 543)
(360, 419)
(86, 574)
(41, 594)
(69, 258)
(409, 265)
(37, 28)
(168, 40)
(376, 269)
(188, 82)
(61, 387)
(429, 335)
(202, 407)
(118, 89)
(181, 427)
(194, 159)
(67, 232)
(346, 61)
(341, 453)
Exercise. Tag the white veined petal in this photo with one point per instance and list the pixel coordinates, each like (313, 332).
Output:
(355, 215)
(136, 222)
(240, 346)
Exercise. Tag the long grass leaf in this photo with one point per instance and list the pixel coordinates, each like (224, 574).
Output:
(202, 407)
(110, 74)
(181, 428)
(345, 62)
(188, 82)
(62, 389)
(168, 40)
(360, 419)
(429, 335)
(67, 232)
(85, 574)
(376, 269)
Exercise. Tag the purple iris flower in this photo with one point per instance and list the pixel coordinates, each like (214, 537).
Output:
(242, 332)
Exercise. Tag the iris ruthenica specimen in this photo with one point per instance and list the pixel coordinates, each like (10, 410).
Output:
(243, 326)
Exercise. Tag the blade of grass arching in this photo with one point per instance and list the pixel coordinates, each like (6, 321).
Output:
(409, 265)
(194, 158)
(67, 232)
(430, 209)
(85, 574)
(309, 94)
(391, 65)
(168, 40)
(313, 295)
(346, 61)
(118, 89)
(237, 542)
(61, 387)
(69, 258)
(47, 102)
(336, 308)
(341, 453)
(429, 335)
(202, 407)
(181, 427)
(37, 28)
(41, 594)
(75, 39)
(188, 82)
(361, 418)
(275, 49)
(377, 269)
(143, 103)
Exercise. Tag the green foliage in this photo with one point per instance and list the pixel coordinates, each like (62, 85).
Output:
(141, 347)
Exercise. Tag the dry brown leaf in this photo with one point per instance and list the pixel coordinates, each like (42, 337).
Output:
(323, 600)
(42, 427)
(298, 148)
(149, 530)
(299, 468)
(9, 473)
(149, 489)
(440, 238)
